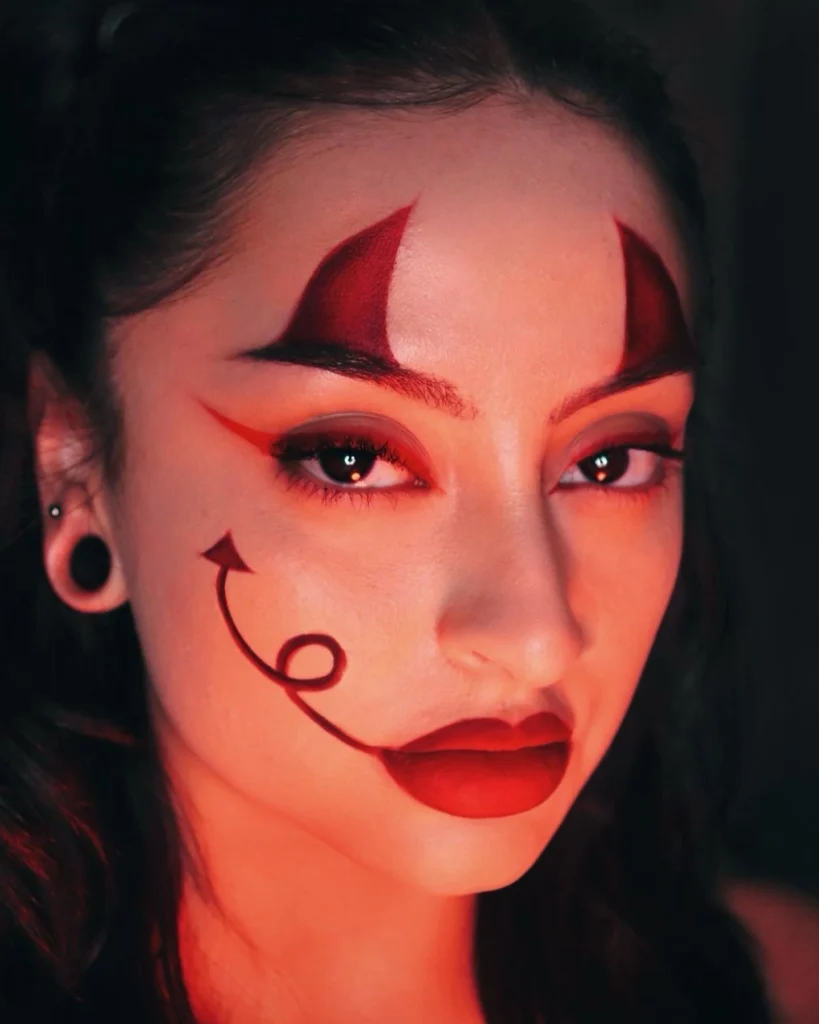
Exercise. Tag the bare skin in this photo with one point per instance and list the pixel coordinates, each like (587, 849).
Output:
(784, 925)
(508, 583)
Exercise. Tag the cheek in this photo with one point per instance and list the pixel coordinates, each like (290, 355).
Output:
(238, 722)
(247, 746)
(625, 572)
(237, 735)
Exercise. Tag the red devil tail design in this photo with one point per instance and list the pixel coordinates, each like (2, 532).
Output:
(225, 555)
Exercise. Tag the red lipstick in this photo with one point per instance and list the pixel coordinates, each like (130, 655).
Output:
(484, 767)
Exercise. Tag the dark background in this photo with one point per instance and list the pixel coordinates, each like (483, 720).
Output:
(745, 74)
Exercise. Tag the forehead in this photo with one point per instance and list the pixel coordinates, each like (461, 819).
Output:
(512, 243)
(503, 191)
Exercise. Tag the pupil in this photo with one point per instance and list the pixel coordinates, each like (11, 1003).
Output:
(345, 466)
(606, 467)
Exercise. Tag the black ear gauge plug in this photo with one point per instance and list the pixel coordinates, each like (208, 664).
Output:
(90, 563)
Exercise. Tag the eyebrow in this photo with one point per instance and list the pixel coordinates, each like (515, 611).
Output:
(654, 368)
(440, 394)
(340, 324)
(433, 391)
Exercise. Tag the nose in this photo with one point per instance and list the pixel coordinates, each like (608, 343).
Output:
(507, 612)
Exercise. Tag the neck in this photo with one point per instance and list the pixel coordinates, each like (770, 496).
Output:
(275, 925)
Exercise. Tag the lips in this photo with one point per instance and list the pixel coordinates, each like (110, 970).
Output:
(492, 734)
(484, 768)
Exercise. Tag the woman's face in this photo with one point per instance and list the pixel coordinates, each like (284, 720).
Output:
(461, 536)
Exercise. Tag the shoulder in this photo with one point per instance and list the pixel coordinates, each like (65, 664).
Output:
(784, 926)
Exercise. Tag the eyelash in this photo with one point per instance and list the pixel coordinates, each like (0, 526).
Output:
(288, 452)
(673, 459)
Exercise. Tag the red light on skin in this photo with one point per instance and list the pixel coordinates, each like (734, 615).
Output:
(225, 555)
(476, 768)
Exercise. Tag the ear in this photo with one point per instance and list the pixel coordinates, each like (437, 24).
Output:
(69, 473)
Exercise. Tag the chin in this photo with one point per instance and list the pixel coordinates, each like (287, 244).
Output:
(465, 858)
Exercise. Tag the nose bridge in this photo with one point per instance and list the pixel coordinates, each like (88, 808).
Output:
(507, 608)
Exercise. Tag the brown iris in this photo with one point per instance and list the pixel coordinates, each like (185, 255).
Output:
(346, 465)
(606, 467)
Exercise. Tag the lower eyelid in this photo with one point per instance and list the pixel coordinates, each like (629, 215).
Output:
(331, 495)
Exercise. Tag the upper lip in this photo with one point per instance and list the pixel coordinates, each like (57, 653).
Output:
(493, 734)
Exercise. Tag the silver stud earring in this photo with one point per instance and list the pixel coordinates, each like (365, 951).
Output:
(55, 510)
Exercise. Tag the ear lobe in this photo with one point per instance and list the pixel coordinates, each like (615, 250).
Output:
(79, 521)
(67, 472)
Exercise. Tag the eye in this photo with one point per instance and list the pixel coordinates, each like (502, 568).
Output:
(362, 467)
(353, 465)
(636, 467)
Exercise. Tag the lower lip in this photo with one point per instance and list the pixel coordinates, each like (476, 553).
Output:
(480, 783)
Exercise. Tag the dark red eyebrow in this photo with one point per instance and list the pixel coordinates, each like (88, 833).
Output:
(351, 340)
